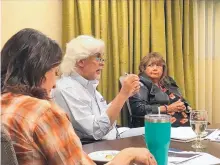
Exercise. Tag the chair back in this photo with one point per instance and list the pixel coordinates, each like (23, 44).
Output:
(8, 155)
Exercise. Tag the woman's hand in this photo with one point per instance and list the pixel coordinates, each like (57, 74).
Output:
(143, 156)
(177, 106)
(134, 155)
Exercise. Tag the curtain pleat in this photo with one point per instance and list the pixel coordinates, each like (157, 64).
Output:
(188, 52)
(158, 40)
(216, 64)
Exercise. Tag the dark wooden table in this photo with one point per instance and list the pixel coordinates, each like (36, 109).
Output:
(212, 148)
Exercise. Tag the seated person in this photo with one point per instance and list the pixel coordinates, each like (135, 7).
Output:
(158, 92)
(76, 91)
(41, 131)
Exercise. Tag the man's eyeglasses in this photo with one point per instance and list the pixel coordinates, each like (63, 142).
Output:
(100, 59)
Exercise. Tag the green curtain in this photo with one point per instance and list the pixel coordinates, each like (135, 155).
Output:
(131, 29)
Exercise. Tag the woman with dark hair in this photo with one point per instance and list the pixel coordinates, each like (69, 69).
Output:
(158, 92)
(25, 61)
(41, 131)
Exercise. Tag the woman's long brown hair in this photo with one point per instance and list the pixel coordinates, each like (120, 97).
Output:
(25, 59)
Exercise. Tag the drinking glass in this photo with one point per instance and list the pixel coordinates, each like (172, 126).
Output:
(157, 136)
(198, 122)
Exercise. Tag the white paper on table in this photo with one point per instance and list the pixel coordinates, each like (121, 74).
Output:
(123, 129)
(182, 133)
(180, 156)
(204, 159)
(214, 136)
(132, 132)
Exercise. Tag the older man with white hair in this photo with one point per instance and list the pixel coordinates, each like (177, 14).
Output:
(76, 91)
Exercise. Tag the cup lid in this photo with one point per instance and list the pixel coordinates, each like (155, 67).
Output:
(157, 118)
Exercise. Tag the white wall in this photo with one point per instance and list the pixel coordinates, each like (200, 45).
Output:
(43, 15)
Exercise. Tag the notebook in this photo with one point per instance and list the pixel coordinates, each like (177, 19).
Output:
(192, 158)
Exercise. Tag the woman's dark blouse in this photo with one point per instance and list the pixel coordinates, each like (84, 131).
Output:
(150, 97)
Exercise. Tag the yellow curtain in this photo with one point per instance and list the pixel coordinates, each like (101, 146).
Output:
(131, 29)
(180, 45)
(207, 57)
